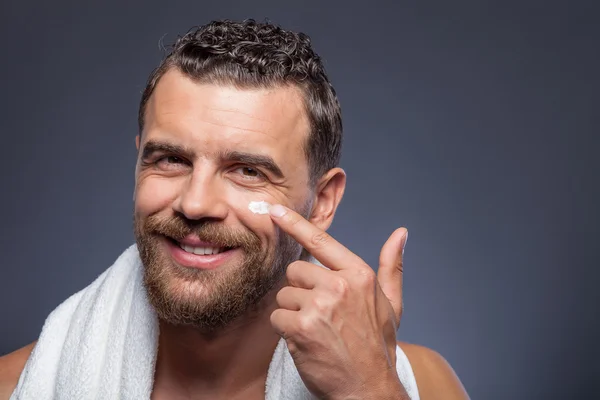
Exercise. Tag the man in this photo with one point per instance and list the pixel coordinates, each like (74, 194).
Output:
(241, 113)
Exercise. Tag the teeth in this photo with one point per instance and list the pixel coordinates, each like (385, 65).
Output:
(201, 250)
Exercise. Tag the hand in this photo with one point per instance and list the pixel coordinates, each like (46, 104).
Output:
(340, 324)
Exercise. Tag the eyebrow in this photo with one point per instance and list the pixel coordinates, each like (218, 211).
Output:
(256, 160)
(152, 147)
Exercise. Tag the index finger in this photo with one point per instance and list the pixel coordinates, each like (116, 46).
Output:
(320, 244)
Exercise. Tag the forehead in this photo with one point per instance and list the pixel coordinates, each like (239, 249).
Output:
(216, 116)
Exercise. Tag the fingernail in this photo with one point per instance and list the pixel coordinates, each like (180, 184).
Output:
(277, 210)
(405, 240)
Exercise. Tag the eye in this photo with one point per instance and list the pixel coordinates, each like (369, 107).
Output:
(249, 173)
(170, 162)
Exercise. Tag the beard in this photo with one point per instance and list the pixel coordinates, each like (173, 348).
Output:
(209, 300)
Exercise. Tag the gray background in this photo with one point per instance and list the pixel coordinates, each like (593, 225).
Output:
(473, 124)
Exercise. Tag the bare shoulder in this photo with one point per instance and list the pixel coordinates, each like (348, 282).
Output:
(11, 366)
(435, 377)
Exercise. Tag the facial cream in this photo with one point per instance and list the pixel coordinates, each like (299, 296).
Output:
(259, 207)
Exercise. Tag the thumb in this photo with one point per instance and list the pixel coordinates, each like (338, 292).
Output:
(390, 270)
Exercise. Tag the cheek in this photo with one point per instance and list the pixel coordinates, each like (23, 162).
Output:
(153, 194)
(260, 224)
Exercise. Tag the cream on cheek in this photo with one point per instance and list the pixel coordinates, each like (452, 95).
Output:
(259, 207)
(258, 223)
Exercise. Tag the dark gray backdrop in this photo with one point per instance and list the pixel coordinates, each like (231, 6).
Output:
(474, 124)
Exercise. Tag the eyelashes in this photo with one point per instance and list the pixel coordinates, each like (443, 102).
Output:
(250, 173)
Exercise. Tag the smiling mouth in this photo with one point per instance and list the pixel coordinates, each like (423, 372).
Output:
(201, 250)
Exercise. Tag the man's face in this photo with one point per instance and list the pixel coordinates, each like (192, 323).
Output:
(206, 152)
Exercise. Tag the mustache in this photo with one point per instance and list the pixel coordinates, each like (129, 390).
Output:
(215, 232)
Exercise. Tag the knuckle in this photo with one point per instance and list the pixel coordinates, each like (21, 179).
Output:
(320, 304)
(306, 325)
(341, 286)
(366, 278)
(319, 239)
(293, 220)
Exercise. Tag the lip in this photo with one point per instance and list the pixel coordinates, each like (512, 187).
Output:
(194, 242)
(209, 261)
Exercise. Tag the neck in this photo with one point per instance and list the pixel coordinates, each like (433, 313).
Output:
(221, 364)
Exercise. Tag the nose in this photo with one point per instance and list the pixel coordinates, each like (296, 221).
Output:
(201, 198)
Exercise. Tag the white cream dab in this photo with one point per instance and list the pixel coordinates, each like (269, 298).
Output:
(259, 207)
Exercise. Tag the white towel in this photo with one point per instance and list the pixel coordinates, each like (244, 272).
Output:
(101, 343)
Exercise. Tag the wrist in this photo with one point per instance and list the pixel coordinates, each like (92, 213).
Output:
(386, 387)
(391, 388)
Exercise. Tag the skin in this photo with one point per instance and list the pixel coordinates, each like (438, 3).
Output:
(308, 306)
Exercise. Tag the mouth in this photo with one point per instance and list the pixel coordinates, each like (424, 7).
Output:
(199, 254)
(202, 250)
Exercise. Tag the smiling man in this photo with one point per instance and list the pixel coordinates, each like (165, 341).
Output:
(239, 305)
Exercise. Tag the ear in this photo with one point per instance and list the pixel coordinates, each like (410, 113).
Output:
(328, 195)
(137, 142)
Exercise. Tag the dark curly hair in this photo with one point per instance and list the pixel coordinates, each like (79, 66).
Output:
(250, 54)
